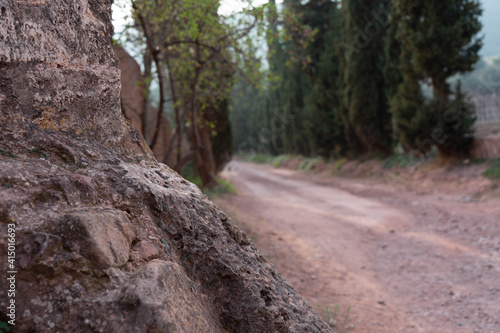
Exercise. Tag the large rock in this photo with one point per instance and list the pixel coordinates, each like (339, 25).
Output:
(101, 235)
(107, 239)
(143, 116)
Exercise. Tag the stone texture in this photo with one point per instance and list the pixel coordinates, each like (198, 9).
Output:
(55, 58)
(107, 238)
(102, 235)
(163, 300)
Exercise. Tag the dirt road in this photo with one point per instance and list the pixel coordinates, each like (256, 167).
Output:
(402, 261)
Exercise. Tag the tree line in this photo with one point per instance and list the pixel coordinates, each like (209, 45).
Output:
(346, 78)
(192, 55)
(340, 78)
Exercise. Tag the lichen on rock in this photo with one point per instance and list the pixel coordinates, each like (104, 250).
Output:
(108, 239)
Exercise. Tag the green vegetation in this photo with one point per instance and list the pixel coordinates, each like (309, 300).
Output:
(192, 54)
(276, 161)
(339, 164)
(399, 160)
(337, 321)
(493, 172)
(343, 79)
(222, 187)
(310, 164)
(365, 109)
(451, 27)
(258, 158)
(347, 78)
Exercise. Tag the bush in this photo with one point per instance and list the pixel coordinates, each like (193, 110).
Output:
(456, 126)
(258, 158)
(278, 160)
(493, 172)
(223, 187)
(310, 163)
(339, 164)
(399, 160)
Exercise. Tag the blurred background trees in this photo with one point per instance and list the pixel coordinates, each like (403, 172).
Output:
(315, 78)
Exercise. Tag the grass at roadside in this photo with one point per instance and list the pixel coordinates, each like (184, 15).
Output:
(303, 163)
(222, 187)
(494, 171)
(393, 162)
(336, 319)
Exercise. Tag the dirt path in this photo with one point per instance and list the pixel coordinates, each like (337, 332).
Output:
(402, 262)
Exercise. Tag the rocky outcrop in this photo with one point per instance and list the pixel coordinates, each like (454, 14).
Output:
(106, 238)
(134, 108)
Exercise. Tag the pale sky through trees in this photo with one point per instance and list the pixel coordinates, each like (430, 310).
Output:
(122, 8)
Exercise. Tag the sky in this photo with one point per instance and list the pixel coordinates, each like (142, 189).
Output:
(491, 28)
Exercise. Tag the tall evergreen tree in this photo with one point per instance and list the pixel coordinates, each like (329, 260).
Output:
(368, 122)
(413, 118)
(325, 125)
(442, 38)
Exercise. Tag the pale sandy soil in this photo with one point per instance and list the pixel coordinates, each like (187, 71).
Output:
(403, 260)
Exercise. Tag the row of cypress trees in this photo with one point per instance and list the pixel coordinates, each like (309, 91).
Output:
(345, 78)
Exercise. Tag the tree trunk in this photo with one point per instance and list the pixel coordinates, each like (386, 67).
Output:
(441, 90)
(441, 93)
(204, 158)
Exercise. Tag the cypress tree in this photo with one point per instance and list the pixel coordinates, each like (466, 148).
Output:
(325, 125)
(366, 116)
(442, 39)
(413, 118)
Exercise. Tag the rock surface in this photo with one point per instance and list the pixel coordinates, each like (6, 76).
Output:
(143, 117)
(107, 239)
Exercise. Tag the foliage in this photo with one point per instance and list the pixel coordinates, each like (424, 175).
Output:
(324, 123)
(414, 118)
(258, 158)
(439, 39)
(335, 321)
(4, 327)
(399, 161)
(442, 38)
(339, 164)
(196, 53)
(457, 124)
(310, 164)
(342, 78)
(278, 160)
(484, 80)
(223, 187)
(366, 115)
(493, 172)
